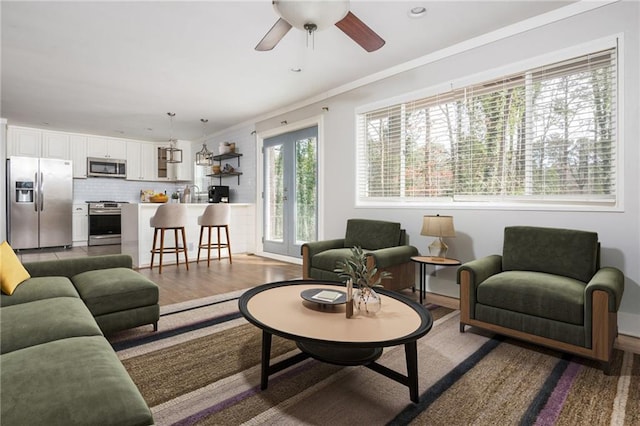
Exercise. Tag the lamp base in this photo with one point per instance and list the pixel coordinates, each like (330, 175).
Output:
(438, 249)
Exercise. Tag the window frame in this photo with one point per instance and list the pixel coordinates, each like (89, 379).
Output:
(471, 202)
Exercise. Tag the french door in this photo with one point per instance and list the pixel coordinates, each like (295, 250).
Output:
(290, 191)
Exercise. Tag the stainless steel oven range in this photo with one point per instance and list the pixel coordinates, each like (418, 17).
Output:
(104, 222)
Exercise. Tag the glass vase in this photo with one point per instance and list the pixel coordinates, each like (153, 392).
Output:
(366, 301)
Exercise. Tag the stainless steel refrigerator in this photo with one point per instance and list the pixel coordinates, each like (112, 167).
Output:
(39, 205)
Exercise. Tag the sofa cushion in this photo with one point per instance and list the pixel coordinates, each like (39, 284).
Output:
(74, 266)
(39, 288)
(565, 252)
(42, 321)
(372, 234)
(117, 289)
(12, 273)
(328, 259)
(535, 293)
(69, 382)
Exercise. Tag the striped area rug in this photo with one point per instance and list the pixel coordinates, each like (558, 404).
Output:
(202, 367)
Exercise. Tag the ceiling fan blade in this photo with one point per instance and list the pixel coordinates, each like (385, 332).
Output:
(274, 35)
(352, 26)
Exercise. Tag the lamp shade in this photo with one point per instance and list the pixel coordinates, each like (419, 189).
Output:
(438, 226)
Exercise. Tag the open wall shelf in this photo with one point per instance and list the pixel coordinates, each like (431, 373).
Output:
(219, 159)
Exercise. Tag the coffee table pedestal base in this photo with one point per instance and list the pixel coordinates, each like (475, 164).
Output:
(346, 356)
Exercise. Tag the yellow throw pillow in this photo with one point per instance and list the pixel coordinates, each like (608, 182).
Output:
(12, 273)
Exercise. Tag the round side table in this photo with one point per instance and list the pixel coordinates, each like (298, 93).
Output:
(423, 261)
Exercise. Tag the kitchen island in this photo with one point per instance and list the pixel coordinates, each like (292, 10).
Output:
(137, 233)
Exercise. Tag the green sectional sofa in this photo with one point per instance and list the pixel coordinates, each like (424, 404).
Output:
(56, 366)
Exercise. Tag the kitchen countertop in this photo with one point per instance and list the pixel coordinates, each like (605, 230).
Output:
(193, 204)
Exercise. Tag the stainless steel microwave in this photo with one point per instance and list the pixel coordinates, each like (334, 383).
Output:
(106, 167)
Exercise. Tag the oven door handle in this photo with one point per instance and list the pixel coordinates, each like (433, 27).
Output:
(104, 212)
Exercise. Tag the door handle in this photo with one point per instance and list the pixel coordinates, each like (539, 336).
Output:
(41, 191)
(36, 192)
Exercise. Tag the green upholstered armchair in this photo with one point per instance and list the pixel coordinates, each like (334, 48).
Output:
(547, 288)
(384, 243)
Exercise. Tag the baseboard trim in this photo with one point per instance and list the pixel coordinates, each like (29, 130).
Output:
(445, 301)
(624, 342)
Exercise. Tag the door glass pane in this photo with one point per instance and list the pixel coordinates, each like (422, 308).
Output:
(274, 194)
(306, 190)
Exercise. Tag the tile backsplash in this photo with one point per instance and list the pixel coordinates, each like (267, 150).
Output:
(96, 189)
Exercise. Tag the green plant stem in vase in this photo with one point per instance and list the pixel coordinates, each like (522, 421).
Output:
(364, 278)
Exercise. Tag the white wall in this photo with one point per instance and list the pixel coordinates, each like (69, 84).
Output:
(480, 230)
(3, 179)
(245, 140)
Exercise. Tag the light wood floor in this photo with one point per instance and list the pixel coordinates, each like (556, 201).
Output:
(179, 285)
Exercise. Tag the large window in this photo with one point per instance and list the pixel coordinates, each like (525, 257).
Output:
(544, 136)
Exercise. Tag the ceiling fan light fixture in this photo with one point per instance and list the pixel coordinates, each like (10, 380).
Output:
(323, 14)
(315, 15)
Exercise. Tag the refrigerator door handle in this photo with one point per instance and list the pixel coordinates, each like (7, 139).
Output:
(36, 192)
(41, 191)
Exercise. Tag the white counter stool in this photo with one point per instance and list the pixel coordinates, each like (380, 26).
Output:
(215, 216)
(169, 216)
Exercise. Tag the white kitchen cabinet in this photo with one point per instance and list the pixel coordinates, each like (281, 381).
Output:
(27, 142)
(24, 142)
(184, 171)
(78, 146)
(106, 148)
(141, 161)
(56, 145)
(80, 224)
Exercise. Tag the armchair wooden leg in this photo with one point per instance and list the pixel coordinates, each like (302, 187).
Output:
(305, 263)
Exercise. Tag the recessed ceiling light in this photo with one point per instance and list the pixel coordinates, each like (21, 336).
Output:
(417, 12)
(295, 69)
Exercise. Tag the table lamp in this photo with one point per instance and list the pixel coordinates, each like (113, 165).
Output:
(438, 226)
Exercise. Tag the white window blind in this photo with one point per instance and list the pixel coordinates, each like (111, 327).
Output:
(547, 135)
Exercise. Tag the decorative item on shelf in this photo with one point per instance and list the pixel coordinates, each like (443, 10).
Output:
(215, 169)
(228, 168)
(174, 155)
(438, 226)
(225, 148)
(204, 157)
(364, 278)
(175, 197)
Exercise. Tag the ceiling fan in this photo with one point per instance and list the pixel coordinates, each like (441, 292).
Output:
(317, 15)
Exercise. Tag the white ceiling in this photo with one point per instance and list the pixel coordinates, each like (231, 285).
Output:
(116, 68)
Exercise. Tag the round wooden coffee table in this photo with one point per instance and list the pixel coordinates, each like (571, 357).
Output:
(325, 333)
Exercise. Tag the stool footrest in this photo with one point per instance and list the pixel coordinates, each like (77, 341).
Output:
(221, 245)
(168, 250)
